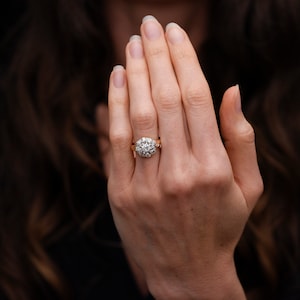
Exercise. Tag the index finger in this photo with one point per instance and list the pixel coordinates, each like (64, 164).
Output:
(196, 97)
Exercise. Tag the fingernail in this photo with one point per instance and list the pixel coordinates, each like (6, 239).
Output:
(238, 104)
(118, 76)
(135, 37)
(151, 28)
(149, 17)
(174, 33)
(135, 47)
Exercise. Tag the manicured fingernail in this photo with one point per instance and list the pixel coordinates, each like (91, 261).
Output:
(174, 33)
(135, 47)
(238, 104)
(135, 37)
(118, 76)
(151, 28)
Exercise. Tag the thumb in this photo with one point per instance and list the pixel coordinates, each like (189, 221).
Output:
(239, 141)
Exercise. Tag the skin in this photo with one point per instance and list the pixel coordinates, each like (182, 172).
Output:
(181, 213)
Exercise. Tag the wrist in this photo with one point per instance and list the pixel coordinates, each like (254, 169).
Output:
(212, 284)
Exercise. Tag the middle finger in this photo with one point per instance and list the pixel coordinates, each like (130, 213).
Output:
(165, 90)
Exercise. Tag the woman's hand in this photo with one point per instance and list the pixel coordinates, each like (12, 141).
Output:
(180, 213)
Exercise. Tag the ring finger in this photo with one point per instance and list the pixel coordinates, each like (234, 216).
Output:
(142, 111)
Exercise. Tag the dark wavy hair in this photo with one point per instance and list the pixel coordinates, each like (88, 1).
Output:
(59, 73)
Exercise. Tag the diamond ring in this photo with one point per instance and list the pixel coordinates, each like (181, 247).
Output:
(146, 147)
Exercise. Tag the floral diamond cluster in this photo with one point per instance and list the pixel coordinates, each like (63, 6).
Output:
(145, 147)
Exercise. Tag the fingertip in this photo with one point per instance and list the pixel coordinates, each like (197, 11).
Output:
(232, 93)
(135, 47)
(147, 18)
(232, 119)
(118, 76)
(118, 68)
(172, 25)
(175, 34)
(231, 102)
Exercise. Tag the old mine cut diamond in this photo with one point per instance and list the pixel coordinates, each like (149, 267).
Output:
(145, 147)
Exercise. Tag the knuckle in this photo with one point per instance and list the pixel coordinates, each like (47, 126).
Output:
(257, 189)
(184, 184)
(119, 196)
(116, 101)
(195, 96)
(146, 195)
(156, 51)
(167, 98)
(177, 185)
(246, 133)
(175, 188)
(122, 204)
(187, 54)
(181, 53)
(119, 139)
(145, 120)
(142, 199)
(215, 177)
(136, 71)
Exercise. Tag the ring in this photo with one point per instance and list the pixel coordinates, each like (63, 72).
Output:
(146, 147)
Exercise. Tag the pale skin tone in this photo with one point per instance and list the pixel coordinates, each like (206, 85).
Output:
(180, 213)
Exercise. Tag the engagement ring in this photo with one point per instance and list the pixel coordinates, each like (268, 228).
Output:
(146, 147)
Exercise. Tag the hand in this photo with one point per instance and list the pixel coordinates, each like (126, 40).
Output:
(180, 213)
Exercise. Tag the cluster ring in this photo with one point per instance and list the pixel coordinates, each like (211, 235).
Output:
(146, 147)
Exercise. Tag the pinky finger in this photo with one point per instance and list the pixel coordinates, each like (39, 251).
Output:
(120, 132)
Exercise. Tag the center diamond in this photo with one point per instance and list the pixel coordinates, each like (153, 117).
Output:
(145, 147)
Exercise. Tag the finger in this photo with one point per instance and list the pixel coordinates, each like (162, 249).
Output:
(120, 134)
(142, 111)
(195, 92)
(239, 142)
(165, 89)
